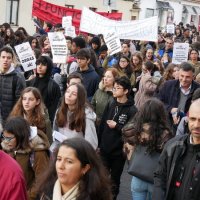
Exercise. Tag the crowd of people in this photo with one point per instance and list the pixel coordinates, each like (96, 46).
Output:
(71, 127)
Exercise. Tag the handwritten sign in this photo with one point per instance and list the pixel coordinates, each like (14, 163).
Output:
(170, 28)
(66, 21)
(146, 29)
(113, 43)
(180, 53)
(26, 56)
(58, 47)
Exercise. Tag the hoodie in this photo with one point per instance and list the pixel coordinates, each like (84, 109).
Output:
(111, 139)
(90, 81)
(90, 130)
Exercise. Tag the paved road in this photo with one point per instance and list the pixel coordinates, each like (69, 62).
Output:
(125, 187)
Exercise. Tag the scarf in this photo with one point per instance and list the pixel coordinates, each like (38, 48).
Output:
(70, 195)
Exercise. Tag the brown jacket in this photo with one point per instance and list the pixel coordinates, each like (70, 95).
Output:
(146, 90)
(33, 161)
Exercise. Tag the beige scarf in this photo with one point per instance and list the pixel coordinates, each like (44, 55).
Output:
(70, 195)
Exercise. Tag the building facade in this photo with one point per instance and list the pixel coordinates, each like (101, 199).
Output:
(18, 12)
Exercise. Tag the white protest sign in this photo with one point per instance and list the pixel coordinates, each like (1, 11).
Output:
(70, 31)
(58, 47)
(66, 21)
(146, 29)
(58, 136)
(113, 43)
(26, 56)
(170, 28)
(180, 53)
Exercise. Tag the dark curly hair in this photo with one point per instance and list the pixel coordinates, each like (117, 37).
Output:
(154, 115)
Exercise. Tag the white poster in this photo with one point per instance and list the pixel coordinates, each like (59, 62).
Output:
(70, 31)
(66, 21)
(180, 53)
(58, 47)
(113, 43)
(26, 56)
(146, 29)
(170, 28)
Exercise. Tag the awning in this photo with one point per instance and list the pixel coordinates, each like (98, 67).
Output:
(163, 5)
(189, 10)
(197, 10)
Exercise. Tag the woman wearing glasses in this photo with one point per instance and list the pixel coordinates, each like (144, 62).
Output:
(29, 147)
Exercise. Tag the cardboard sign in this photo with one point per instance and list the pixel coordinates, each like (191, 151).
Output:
(70, 31)
(170, 28)
(26, 56)
(67, 21)
(58, 47)
(180, 53)
(146, 29)
(113, 43)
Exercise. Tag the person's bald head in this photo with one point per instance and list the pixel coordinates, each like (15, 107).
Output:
(194, 121)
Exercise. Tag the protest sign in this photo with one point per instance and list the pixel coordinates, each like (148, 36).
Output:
(180, 53)
(66, 21)
(113, 43)
(26, 56)
(58, 47)
(70, 31)
(170, 28)
(53, 13)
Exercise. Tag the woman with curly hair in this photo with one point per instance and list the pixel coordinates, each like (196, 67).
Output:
(148, 129)
(31, 107)
(76, 173)
(9, 38)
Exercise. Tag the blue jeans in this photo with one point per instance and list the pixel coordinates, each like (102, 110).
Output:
(141, 190)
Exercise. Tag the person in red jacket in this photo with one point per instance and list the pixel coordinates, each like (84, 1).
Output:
(12, 183)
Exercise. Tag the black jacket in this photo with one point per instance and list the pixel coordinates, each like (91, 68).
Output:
(165, 173)
(11, 85)
(169, 94)
(111, 139)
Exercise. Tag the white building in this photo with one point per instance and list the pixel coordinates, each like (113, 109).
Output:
(19, 12)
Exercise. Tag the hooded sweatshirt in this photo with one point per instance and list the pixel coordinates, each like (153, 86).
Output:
(111, 139)
(49, 89)
(90, 81)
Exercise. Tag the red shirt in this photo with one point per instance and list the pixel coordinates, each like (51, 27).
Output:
(12, 183)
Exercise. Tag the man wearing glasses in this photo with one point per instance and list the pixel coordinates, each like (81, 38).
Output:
(116, 114)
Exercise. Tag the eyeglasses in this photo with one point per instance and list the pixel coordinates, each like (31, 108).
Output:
(7, 139)
(115, 89)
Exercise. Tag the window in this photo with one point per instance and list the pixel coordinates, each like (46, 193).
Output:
(133, 17)
(93, 9)
(69, 6)
(114, 11)
(149, 12)
(12, 10)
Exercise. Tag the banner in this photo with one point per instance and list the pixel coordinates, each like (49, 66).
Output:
(180, 53)
(58, 47)
(146, 29)
(53, 13)
(113, 43)
(26, 56)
